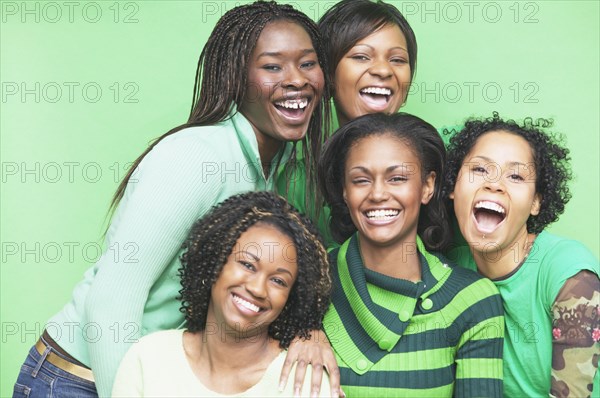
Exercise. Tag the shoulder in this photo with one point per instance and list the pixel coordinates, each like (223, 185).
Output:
(205, 139)
(288, 391)
(464, 277)
(467, 291)
(158, 342)
(192, 154)
(558, 255)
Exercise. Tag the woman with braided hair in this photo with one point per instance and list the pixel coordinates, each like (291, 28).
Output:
(255, 275)
(259, 87)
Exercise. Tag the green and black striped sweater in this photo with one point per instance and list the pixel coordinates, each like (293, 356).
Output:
(440, 337)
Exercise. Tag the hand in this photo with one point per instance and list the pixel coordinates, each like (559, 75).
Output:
(317, 352)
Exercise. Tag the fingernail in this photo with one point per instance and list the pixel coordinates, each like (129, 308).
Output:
(334, 394)
(296, 392)
(281, 386)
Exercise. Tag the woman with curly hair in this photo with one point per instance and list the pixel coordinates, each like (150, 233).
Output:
(258, 89)
(508, 182)
(255, 276)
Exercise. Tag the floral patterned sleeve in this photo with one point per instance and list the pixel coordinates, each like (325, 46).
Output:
(576, 336)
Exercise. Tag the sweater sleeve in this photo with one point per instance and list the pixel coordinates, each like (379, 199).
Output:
(479, 356)
(165, 196)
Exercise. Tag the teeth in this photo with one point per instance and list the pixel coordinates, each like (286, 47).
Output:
(382, 214)
(300, 103)
(246, 304)
(376, 90)
(490, 206)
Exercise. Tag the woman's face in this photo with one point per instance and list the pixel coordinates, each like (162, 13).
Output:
(384, 190)
(255, 282)
(495, 192)
(374, 76)
(285, 84)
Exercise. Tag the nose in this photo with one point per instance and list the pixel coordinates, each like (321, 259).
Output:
(294, 78)
(494, 184)
(379, 192)
(381, 68)
(256, 286)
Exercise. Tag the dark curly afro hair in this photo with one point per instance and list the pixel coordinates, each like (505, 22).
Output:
(551, 160)
(212, 239)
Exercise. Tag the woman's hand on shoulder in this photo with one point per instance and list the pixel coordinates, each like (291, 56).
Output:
(317, 352)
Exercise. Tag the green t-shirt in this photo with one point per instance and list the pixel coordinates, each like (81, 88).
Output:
(528, 296)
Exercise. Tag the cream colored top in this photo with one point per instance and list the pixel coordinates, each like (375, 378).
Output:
(156, 366)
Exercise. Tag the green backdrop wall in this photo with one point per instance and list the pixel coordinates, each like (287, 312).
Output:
(86, 85)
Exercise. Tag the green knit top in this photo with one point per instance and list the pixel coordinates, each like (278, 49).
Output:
(439, 337)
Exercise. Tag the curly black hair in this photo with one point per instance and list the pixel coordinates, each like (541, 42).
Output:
(421, 137)
(212, 239)
(550, 157)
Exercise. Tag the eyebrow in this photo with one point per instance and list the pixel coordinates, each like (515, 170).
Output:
(285, 270)
(388, 169)
(373, 48)
(255, 258)
(249, 254)
(279, 54)
(514, 163)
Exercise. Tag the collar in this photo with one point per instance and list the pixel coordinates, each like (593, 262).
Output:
(247, 138)
(372, 330)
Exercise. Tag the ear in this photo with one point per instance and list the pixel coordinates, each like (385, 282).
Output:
(428, 188)
(344, 195)
(451, 196)
(535, 206)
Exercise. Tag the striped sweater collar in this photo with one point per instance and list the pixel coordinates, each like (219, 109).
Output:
(382, 327)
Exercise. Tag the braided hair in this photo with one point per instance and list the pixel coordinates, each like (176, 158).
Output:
(212, 240)
(222, 77)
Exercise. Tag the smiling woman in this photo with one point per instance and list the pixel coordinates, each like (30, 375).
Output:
(373, 76)
(403, 321)
(285, 84)
(255, 275)
(372, 53)
(261, 45)
(507, 183)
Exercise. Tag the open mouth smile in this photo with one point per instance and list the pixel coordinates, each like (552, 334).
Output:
(488, 216)
(293, 108)
(377, 98)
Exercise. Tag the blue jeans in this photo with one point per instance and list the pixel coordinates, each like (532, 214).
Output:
(39, 378)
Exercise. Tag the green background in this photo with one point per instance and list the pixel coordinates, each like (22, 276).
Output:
(65, 145)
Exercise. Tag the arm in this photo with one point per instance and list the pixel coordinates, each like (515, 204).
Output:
(576, 336)
(318, 353)
(479, 356)
(154, 216)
